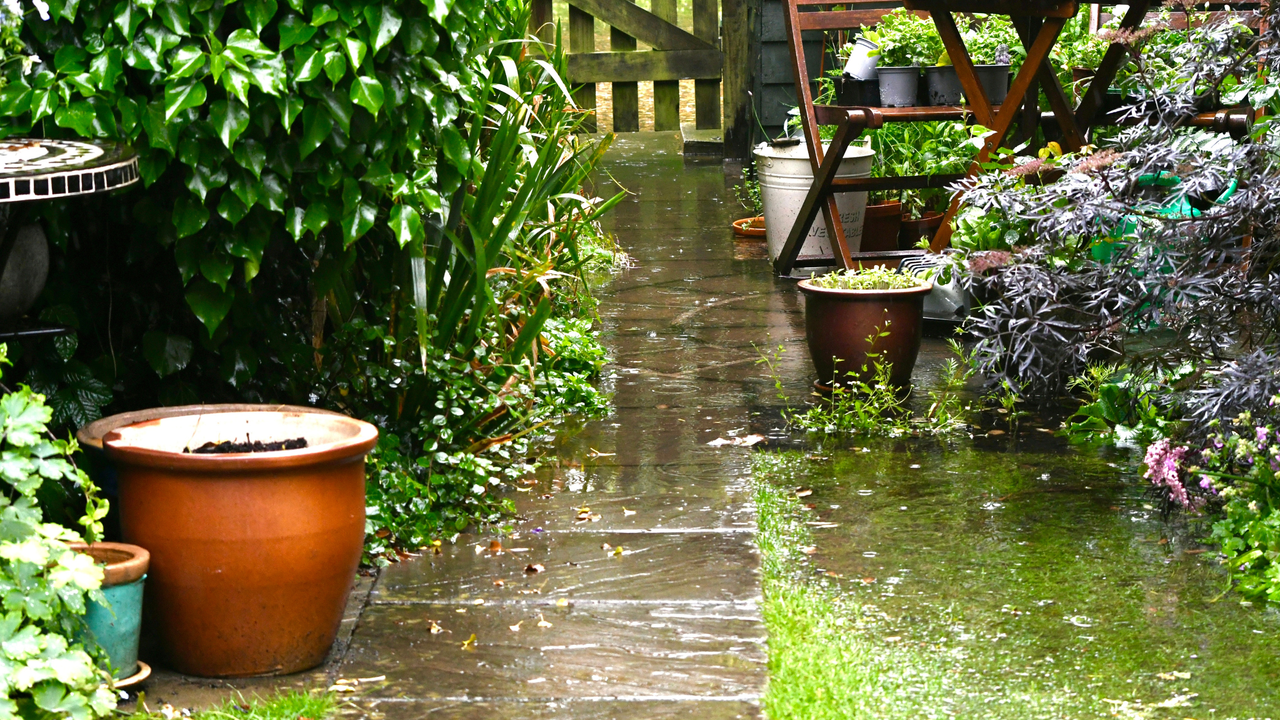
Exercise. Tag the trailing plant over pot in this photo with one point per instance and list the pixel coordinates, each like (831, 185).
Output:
(856, 320)
(48, 586)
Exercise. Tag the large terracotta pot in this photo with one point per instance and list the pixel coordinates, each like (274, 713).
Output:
(913, 229)
(252, 554)
(880, 227)
(838, 324)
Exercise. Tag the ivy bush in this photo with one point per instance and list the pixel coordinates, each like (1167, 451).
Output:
(44, 585)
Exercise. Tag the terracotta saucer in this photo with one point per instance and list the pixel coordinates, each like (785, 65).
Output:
(144, 672)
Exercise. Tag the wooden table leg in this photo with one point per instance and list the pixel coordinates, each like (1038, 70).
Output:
(1107, 69)
(1037, 54)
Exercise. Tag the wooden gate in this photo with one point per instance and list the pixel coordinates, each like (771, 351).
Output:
(710, 60)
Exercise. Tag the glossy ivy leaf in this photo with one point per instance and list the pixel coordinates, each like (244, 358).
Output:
(143, 57)
(290, 106)
(316, 126)
(367, 93)
(216, 267)
(230, 119)
(322, 15)
(127, 18)
(187, 61)
(173, 13)
(231, 208)
(316, 217)
(210, 303)
(251, 156)
(406, 224)
(70, 59)
(180, 96)
(186, 252)
(269, 75)
(204, 179)
(294, 31)
(237, 81)
(339, 108)
(356, 50)
(167, 354)
(105, 69)
(244, 43)
(260, 13)
(335, 64)
(294, 223)
(15, 99)
(274, 193)
(356, 224)
(43, 103)
(384, 23)
(189, 216)
(245, 189)
(307, 64)
(78, 116)
(455, 147)
(159, 37)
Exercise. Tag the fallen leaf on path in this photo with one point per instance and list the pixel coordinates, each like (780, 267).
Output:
(606, 546)
(994, 433)
(542, 622)
(627, 513)
(618, 551)
(1195, 552)
(1175, 675)
(495, 546)
(469, 643)
(341, 689)
(516, 627)
(499, 583)
(809, 550)
(435, 628)
(805, 492)
(517, 550)
(562, 602)
(533, 568)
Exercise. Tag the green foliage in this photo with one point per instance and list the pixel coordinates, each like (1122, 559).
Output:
(866, 403)
(977, 229)
(1241, 466)
(988, 35)
(44, 585)
(927, 148)
(1126, 406)
(871, 278)
(905, 39)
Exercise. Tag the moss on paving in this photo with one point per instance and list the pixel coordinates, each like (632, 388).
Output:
(286, 706)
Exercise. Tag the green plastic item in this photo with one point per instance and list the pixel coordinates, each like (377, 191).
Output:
(1104, 248)
(118, 628)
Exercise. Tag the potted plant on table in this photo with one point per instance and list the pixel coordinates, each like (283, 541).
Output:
(996, 51)
(906, 42)
(255, 522)
(858, 319)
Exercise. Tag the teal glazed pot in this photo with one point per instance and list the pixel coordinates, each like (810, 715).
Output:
(117, 628)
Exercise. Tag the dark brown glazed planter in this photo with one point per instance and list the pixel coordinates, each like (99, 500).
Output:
(252, 554)
(912, 230)
(749, 227)
(880, 227)
(838, 324)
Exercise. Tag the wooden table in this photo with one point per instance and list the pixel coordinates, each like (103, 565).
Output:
(1039, 24)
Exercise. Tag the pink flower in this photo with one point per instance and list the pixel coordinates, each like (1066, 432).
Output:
(1163, 460)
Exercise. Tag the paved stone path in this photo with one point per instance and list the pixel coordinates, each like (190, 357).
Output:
(647, 603)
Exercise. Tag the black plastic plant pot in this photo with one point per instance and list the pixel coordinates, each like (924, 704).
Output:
(854, 92)
(944, 85)
(898, 86)
(994, 80)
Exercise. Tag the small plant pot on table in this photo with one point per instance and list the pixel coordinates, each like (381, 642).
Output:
(849, 331)
(254, 551)
(899, 86)
(943, 85)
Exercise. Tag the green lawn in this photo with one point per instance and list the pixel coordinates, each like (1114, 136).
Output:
(288, 706)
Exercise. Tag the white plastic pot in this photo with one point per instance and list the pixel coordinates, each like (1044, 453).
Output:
(785, 179)
(861, 65)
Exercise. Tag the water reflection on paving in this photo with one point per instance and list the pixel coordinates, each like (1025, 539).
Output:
(630, 588)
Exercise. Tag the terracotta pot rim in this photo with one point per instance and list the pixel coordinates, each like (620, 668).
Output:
(91, 435)
(740, 227)
(120, 572)
(927, 217)
(352, 448)
(807, 286)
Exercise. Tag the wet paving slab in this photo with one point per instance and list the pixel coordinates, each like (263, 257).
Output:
(629, 586)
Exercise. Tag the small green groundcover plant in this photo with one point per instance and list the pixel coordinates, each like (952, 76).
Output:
(286, 706)
(875, 278)
(45, 672)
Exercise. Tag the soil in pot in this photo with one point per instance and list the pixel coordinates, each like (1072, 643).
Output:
(252, 554)
(838, 324)
(914, 229)
(880, 227)
(117, 627)
(227, 447)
